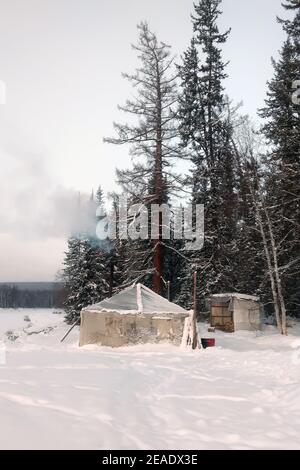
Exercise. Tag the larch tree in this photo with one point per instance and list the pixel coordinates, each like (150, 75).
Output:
(249, 268)
(151, 136)
(258, 260)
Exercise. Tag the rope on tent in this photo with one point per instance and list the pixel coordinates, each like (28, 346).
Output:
(69, 331)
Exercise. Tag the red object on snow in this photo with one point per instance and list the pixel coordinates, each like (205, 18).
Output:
(208, 342)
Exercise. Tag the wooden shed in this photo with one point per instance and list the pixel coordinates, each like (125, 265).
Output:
(232, 312)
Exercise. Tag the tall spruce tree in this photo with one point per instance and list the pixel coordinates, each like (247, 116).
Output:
(207, 131)
(282, 131)
(72, 276)
(152, 146)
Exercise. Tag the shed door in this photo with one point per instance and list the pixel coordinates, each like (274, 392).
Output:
(222, 318)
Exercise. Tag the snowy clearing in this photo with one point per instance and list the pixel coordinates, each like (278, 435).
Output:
(243, 394)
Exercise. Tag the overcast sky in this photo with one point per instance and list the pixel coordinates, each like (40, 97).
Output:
(61, 62)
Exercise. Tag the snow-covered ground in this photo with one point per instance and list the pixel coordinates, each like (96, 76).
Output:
(243, 394)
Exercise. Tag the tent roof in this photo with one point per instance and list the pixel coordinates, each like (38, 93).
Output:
(236, 295)
(137, 299)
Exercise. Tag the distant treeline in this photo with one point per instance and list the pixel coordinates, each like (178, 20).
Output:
(33, 295)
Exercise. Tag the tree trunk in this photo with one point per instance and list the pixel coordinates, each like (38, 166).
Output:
(195, 314)
(270, 267)
(277, 276)
(158, 259)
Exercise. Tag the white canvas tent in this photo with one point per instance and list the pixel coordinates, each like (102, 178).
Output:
(135, 315)
(233, 311)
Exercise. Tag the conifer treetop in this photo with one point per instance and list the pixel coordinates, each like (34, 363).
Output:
(291, 4)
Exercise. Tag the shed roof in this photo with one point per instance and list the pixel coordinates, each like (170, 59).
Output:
(137, 299)
(236, 295)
